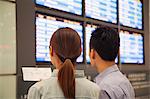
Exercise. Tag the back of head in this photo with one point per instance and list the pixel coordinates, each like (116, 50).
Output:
(66, 43)
(105, 40)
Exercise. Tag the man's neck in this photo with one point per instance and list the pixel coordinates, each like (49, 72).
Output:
(103, 65)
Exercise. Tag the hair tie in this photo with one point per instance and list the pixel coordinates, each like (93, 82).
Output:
(67, 58)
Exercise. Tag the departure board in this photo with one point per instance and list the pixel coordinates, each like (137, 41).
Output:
(72, 6)
(105, 10)
(131, 47)
(130, 13)
(45, 27)
(89, 30)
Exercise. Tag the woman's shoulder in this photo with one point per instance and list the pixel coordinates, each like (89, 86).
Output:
(44, 83)
(87, 89)
(42, 87)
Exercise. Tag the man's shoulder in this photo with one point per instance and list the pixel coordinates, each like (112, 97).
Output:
(116, 85)
(116, 77)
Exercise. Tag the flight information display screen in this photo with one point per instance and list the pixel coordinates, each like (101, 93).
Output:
(130, 13)
(89, 30)
(45, 27)
(105, 10)
(72, 6)
(131, 47)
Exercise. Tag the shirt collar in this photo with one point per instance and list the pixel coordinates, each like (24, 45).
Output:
(78, 73)
(109, 70)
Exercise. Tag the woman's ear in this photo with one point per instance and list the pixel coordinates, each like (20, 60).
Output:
(81, 49)
(51, 51)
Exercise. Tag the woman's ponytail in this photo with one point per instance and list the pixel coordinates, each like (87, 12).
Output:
(66, 79)
(66, 43)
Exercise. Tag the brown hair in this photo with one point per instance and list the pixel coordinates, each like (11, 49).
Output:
(66, 43)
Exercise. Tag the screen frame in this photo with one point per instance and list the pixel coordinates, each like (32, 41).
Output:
(49, 62)
(131, 32)
(55, 9)
(129, 26)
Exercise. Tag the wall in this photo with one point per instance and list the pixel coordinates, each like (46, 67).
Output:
(7, 50)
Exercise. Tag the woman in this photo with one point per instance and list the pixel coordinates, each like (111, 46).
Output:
(66, 82)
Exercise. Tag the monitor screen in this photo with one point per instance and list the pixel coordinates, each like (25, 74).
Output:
(105, 10)
(131, 47)
(130, 13)
(72, 6)
(89, 30)
(45, 27)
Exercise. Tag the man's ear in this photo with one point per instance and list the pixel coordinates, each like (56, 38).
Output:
(51, 51)
(92, 53)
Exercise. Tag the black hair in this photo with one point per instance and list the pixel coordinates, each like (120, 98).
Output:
(105, 40)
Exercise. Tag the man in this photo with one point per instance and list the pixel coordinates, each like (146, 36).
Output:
(104, 47)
